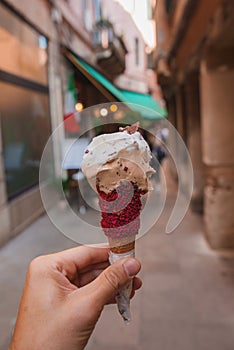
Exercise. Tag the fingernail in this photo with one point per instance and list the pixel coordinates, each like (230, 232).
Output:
(132, 267)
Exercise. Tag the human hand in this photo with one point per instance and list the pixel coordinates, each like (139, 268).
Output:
(64, 295)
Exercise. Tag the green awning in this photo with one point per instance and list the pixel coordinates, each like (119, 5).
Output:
(148, 107)
(142, 103)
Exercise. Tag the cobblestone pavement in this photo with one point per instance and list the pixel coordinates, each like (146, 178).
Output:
(187, 298)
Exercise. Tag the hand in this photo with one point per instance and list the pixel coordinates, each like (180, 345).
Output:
(64, 295)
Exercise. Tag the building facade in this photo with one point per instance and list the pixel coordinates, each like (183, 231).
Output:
(134, 77)
(40, 42)
(194, 60)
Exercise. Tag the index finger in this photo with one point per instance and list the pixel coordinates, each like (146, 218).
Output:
(82, 256)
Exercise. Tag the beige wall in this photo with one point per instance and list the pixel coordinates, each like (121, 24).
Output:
(205, 34)
(37, 12)
(217, 106)
(218, 121)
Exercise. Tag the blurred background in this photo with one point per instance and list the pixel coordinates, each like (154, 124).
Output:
(175, 61)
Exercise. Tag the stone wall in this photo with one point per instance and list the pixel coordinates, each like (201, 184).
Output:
(217, 108)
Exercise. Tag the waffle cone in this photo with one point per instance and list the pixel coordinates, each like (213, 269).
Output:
(122, 245)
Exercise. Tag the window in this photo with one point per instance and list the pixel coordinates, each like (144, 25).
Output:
(25, 130)
(149, 9)
(169, 6)
(150, 60)
(87, 13)
(97, 10)
(24, 101)
(137, 53)
(23, 50)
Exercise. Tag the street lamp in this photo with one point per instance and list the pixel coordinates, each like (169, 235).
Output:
(103, 34)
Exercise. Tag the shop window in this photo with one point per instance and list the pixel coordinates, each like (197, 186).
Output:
(23, 50)
(72, 103)
(24, 101)
(25, 130)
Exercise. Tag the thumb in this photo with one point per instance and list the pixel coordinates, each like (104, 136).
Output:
(107, 284)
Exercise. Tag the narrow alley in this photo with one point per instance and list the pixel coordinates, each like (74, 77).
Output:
(187, 298)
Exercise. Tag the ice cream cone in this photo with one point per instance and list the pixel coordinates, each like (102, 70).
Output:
(122, 245)
(117, 165)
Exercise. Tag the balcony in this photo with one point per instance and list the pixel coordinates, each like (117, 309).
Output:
(110, 48)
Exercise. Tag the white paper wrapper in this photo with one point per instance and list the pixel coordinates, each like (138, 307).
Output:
(123, 296)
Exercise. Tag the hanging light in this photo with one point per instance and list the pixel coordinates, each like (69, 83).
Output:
(113, 108)
(103, 112)
(79, 107)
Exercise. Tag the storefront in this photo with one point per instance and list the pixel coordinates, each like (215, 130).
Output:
(24, 112)
(24, 101)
